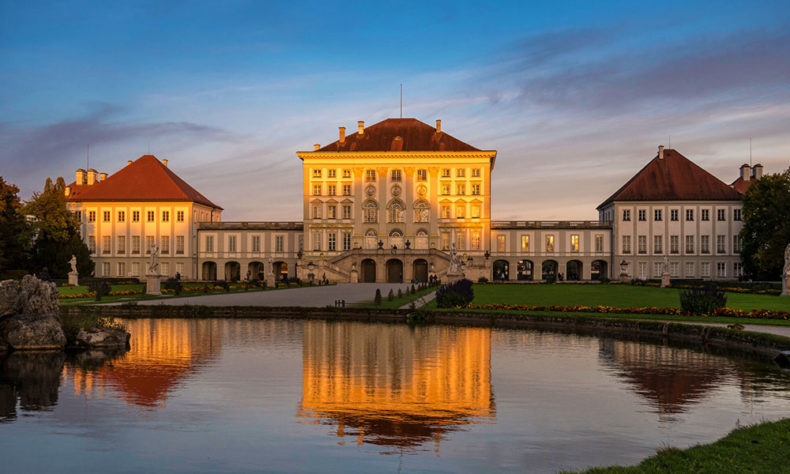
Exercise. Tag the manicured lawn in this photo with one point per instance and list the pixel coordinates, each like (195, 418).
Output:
(619, 296)
(760, 448)
(74, 290)
(398, 302)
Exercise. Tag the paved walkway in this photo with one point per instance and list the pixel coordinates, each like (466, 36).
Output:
(777, 330)
(314, 296)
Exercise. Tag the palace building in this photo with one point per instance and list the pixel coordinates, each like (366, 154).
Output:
(397, 201)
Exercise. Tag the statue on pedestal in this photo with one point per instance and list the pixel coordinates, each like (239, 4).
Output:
(456, 263)
(665, 276)
(153, 262)
(73, 274)
(152, 276)
(786, 273)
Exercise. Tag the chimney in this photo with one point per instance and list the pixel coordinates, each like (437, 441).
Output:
(316, 146)
(361, 127)
(67, 191)
(102, 176)
(660, 152)
(79, 176)
(757, 171)
(128, 162)
(438, 126)
(92, 177)
(164, 162)
(342, 134)
(746, 173)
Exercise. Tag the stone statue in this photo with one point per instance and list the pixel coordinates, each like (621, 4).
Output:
(73, 263)
(786, 273)
(455, 262)
(665, 277)
(73, 275)
(153, 263)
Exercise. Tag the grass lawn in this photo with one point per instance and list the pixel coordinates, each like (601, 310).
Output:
(71, 290)
(759, 448)
(397, 302)
(619, 296)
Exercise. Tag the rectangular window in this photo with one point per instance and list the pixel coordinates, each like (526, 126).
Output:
(346, 190)
(674, 244)
(121, 249)
(658, 241)
(721, 269)
(136, 244)
(658, 268)
(331, 212)
(475, 172)
(317, 241)
(105, 269)
(346, 240)
(475, 240)
(164, 246)
(446, 173)
(626, 244)
(149, 242)
(657, 215)
(316, 173)
(705, 214)
(346, 211)
(689, 215)
(549, 243)
(445, 212)
(106, 244)
(460, 211)
(135, 269)
(642, 242)
(209, 243)
(91, 216)
(422, 175)
(736, 214)
(626, 215)
(121, 269)
(165, 216)
(371, 214)
(643, 270)
(475, 211)
(396, 175)
(642, 215)
(721, 243)
(232, 243)
(445, 190)
(105, 216)
(165, 269)
(332, 241)
(279, 243)
(720, 215)
(737, 269)
(500, 243)
(475, 190)
(150, 215)
(736, 243)
(574, 242)
(673, 215)
(346, 174)
(460, 173)
(316, 212)
(460, 189)
(331, 189)
(689, 244)
(704, 242)
(599, 242)
(256, 243)
(78, 215)
(135, 216)
(370, 175)
(705, 269)
(331, 173)
(460, 241)
(690, 270)
(316, 190)
(121, 216)
(180, 216)
(674, 269)
(525, 243)
(445, 241)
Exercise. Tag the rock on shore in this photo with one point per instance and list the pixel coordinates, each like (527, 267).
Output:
(30, 315)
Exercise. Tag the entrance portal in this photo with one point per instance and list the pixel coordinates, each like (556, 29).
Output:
(368, 271)
(421, 270)
(394, 271)
(501, 270)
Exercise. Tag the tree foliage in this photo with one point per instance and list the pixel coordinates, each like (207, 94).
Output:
(766, 226)
(14, 234)
(56, 233)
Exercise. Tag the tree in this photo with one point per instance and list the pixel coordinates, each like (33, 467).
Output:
(56, 233)
(14, 230)
(766, 226)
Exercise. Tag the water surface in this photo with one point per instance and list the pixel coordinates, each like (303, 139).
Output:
(283, 395)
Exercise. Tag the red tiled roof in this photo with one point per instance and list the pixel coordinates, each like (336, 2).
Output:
(673, 178)
(145, 179)
(404, 134)
(740, 185)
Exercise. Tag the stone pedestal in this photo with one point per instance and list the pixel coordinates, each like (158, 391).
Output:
(624, 278)
(786, 286)
(454, 276)
(354, 276)
(270, 281)
(665, 280)
(153, 284)
(73, 279)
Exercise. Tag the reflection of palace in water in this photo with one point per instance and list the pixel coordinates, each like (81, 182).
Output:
(163, 353)
(393, 385)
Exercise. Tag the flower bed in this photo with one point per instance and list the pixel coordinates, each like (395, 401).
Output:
(727, 312)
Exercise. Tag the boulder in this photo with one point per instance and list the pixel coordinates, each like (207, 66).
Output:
(102, 338)
(38, 299)
(20, 333)
(9, 290)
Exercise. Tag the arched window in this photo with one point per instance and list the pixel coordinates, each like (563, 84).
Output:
(395, 211)
(421, 240)
(422, 211)
(370, 210)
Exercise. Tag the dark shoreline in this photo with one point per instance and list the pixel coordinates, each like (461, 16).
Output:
(750, 344)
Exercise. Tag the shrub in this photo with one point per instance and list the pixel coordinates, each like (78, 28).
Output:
(400, 293)
(413, 290)
(482, 280)
(704, 300)
(205, 288)
(390, 295)
(224, 285)
(455, 295)
(174, 285)
(100, 288)
(377, 299)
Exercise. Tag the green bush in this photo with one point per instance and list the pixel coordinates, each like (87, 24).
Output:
(703, 300)
(455, 295)
(400, 293)
(390, 295)
(175, 285)
(100, 288)
(377, 299)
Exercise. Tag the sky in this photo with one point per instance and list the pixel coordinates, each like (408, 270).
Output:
(575, 96)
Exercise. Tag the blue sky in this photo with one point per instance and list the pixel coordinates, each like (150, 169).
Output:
(575, 96)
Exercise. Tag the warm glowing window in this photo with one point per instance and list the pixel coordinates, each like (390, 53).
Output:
(475, 240)
(574, 242)
(370, 175)
(422, 175)
(549, 243)
(396, 175)
(331, 189)
(525, 243)
(331, 212)
(346, 190)
(500, 243)
(316, 190)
